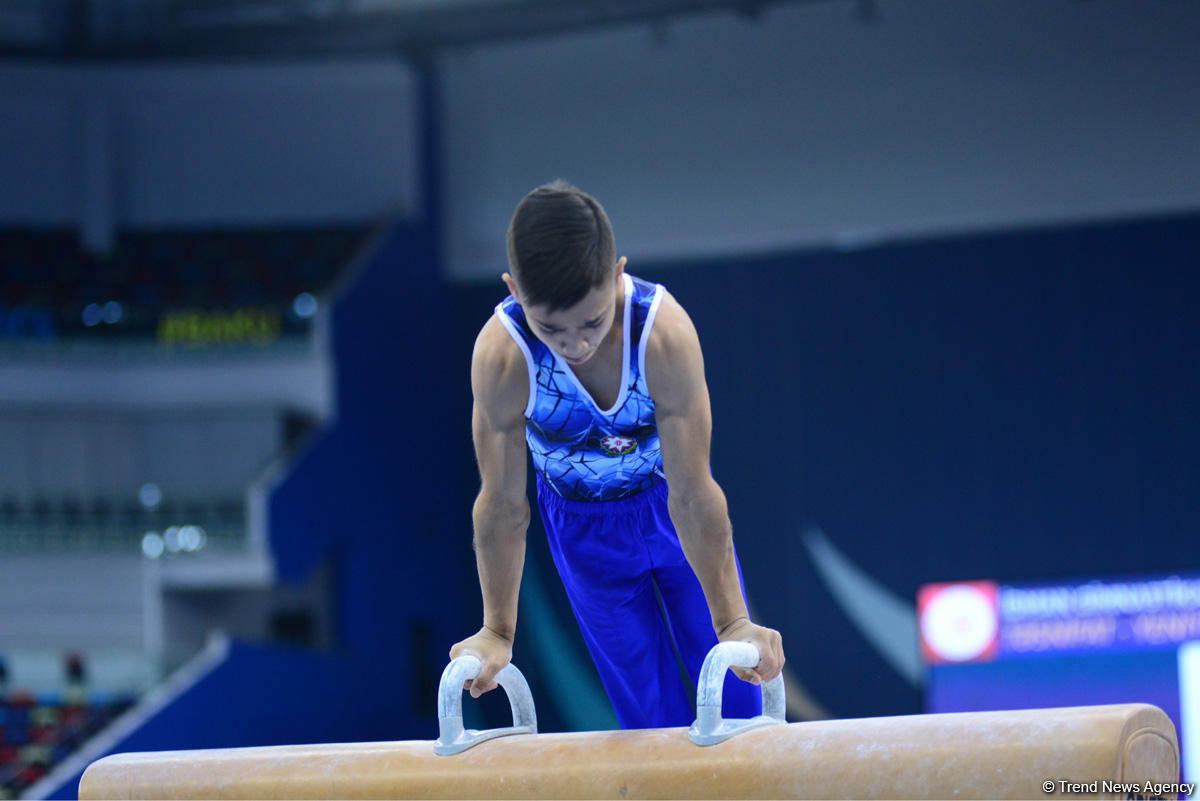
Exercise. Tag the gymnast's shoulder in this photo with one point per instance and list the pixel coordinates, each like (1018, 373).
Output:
(498, 370)
(673, 344)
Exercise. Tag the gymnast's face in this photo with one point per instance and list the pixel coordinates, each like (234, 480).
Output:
(576, 333)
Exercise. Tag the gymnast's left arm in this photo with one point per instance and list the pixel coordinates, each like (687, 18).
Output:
(675, 378)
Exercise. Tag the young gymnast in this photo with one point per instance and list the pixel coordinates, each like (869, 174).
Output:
(600, 375)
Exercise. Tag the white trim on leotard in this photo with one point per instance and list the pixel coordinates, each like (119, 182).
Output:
(659, 291)
(510, 325)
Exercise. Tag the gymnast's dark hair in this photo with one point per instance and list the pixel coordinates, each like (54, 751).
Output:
(560, 246)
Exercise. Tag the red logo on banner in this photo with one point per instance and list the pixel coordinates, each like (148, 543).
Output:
(958, 622)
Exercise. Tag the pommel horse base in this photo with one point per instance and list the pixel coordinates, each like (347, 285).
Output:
(959, 756)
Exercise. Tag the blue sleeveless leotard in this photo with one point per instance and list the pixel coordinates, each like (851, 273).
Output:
(582, 452)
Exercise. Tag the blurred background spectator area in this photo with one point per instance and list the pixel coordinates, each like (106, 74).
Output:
(40, 729)
(178, 287)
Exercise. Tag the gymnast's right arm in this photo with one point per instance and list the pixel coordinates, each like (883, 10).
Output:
(500, 385)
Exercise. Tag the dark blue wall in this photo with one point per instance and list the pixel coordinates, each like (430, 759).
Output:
(372, 494)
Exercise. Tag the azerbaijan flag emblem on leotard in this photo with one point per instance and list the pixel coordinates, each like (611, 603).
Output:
(617, 446)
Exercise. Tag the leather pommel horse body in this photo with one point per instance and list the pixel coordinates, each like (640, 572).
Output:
(960, 755)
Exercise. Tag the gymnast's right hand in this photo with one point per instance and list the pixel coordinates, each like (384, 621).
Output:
(493, 650)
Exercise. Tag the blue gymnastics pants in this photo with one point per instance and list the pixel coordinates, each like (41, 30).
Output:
(612, 556)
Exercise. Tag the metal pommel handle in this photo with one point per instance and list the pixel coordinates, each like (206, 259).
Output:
(452, 737)
(709, 727)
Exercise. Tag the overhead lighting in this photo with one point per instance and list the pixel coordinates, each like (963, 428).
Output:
(304, 305)
(150, 496)
(152, 545)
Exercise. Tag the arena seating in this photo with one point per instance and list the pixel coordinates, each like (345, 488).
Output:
(51, 287)
(39, 730)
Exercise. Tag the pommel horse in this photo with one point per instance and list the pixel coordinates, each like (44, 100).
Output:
(1015, 754)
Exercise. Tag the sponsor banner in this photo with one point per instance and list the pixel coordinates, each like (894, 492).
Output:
(200, 327)
(957, 621)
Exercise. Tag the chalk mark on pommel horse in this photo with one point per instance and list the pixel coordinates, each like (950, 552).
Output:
(959, 755)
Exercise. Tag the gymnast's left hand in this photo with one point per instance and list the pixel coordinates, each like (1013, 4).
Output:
(770, 649)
